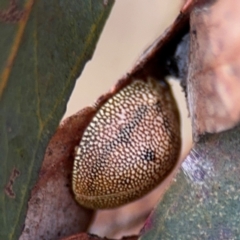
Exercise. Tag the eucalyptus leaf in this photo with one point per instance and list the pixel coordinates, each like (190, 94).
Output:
(44, 47)
(203, 203)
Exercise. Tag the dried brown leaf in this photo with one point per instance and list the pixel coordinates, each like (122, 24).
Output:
(52, 209)
(213, 79)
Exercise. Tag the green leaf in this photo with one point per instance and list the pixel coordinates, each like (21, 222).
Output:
(44, 47)
(203, 203)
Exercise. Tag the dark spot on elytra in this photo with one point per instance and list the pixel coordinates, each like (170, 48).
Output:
(148, 155)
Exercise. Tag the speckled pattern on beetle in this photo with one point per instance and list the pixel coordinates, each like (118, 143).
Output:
(131, 144)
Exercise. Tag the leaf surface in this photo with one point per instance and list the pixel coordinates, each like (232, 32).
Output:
(44, 47)
(203, 203)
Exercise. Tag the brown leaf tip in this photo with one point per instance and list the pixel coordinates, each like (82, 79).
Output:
(9, 187)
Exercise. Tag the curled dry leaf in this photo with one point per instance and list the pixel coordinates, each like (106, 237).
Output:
(52, 211)
(213, 79)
